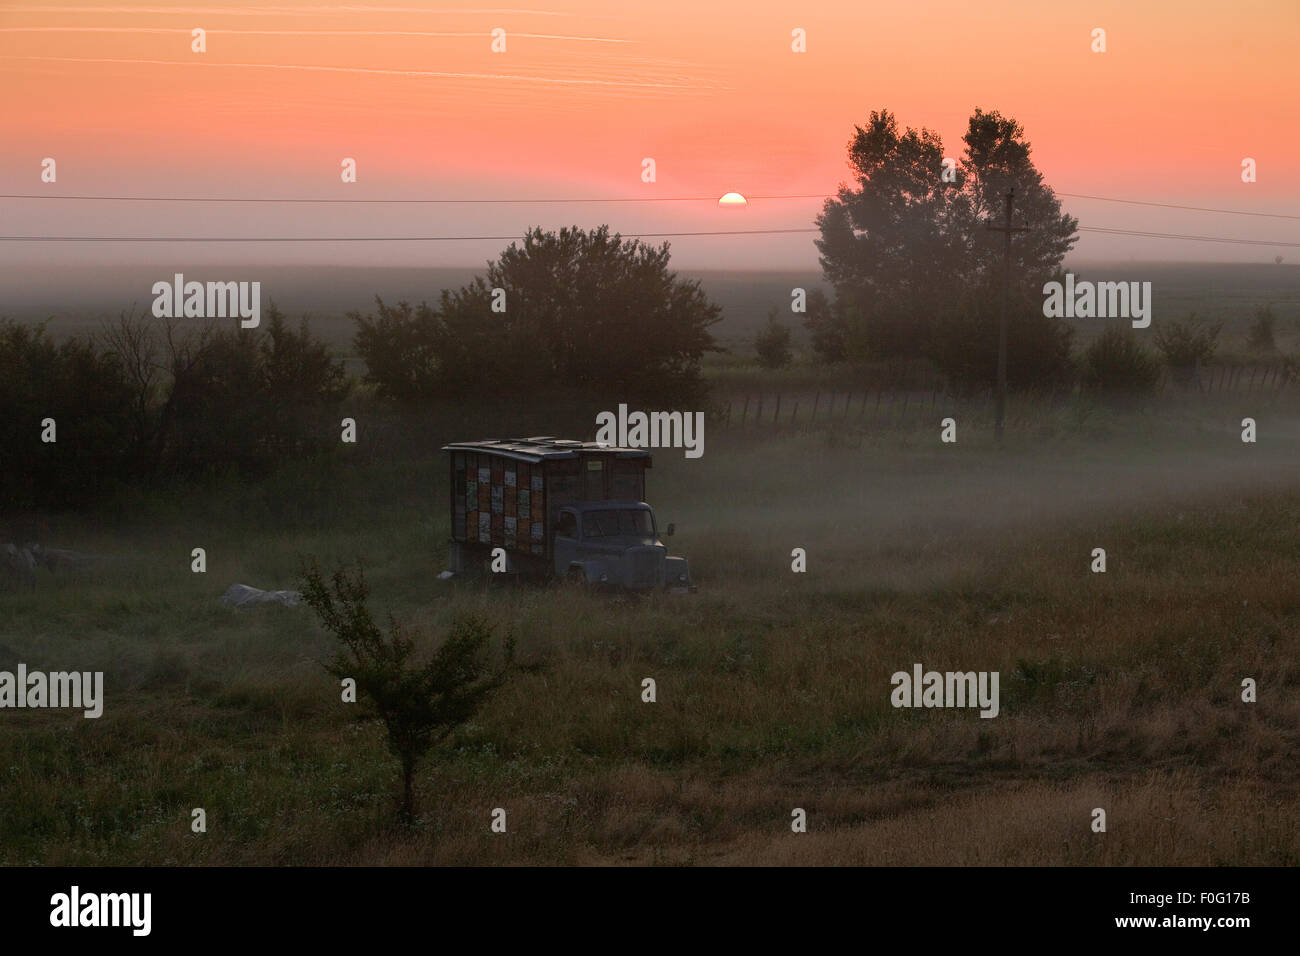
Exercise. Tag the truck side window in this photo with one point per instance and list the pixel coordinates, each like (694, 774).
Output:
(567, 525)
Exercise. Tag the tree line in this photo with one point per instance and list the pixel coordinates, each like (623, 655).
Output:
(141, 403)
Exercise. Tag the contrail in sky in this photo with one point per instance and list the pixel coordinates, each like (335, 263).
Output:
(300, 33)
(371, 70)
(286, 11)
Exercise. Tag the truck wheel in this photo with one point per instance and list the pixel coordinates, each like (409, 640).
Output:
(575, 580)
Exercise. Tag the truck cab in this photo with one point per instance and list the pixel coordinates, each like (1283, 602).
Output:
(616, 544)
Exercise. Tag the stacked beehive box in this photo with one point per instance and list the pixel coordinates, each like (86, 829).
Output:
(503, 503)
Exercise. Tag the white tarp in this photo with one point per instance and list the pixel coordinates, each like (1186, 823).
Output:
(241, 595)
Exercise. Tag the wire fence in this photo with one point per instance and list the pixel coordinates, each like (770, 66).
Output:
(893, 407)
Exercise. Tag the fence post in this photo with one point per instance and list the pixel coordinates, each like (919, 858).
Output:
(776, 416)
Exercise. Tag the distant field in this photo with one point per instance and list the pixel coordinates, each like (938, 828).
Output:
(1119, 690)
(80, 302)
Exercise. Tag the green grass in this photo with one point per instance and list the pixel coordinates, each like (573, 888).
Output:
(1118, 690)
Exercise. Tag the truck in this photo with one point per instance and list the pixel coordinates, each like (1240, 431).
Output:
(559, 508)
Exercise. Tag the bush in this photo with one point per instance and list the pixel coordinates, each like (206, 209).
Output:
(244, 401)
(965, 348)
(1261, 336)
(87, 396)
(212, 419)
(300, 381)
(1118, 369)
(827, 326)
(1187, 344)
(773, 344)
(400, 348)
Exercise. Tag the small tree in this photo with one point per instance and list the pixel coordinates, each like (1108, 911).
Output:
(1261, 337)
(1186, 346)
(825, 326)
(773, 344)
(1189, 343)
(88, 397)
(965, 349)
(419, 704)
(1118, 369)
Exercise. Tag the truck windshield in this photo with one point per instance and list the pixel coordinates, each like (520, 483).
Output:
(623, 521)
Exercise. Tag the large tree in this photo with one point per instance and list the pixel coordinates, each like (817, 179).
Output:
(586, 312)
(908, 254)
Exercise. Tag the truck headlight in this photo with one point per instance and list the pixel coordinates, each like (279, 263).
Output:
(682, 577)
(604, 579)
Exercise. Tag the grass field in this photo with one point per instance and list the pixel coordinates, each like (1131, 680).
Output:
(1118, 690)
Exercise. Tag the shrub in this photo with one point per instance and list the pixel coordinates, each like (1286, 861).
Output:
(1118, 369)
(86, 394)
(1189, 343)
(1261, 336)
(826, 327)
(400, 348)
(965, 348)
(773, 344)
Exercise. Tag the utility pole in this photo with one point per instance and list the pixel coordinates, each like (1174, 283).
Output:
(1002, 323)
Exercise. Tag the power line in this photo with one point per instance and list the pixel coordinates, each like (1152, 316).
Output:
(587, 200)
(515, 237)
(1135, 233)
(1170, 205)
(1140, 234)
(236, 199)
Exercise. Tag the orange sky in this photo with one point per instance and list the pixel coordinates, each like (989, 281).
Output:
(711, 91)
